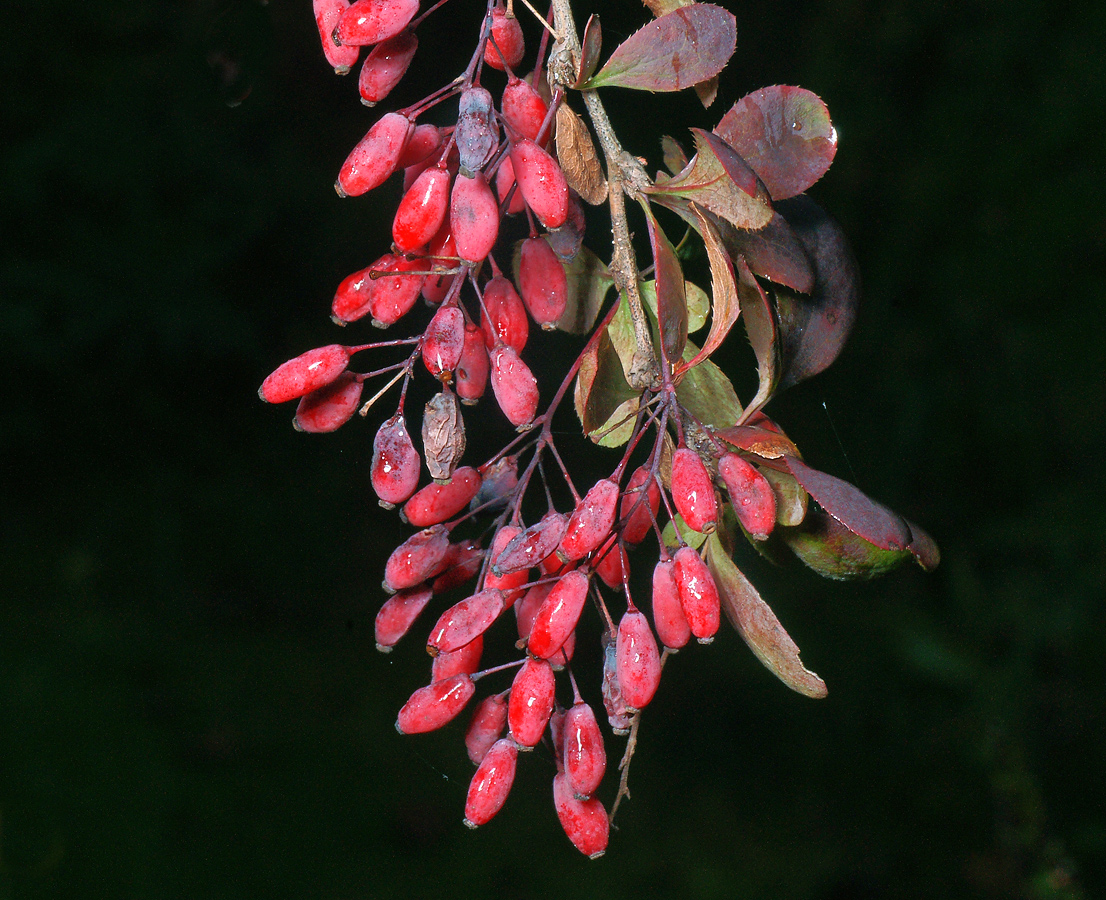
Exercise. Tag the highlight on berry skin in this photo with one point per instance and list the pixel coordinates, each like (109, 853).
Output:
(507, 222)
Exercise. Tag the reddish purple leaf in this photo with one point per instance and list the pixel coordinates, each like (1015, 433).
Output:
(760, 325)
(680, 49)
(923, 547)
(590, 45)
(785, 134)
(724, 305)
(671, 294)
(832, 550)
(758, 441)
(774, 252)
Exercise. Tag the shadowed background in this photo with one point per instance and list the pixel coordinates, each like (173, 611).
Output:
(190, 703)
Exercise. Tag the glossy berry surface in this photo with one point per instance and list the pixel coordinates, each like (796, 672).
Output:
(375, 157)
(542, 183)
(431, 707)
(509, 44)
(329, 408)
(395, 463)
(385, 66)
(693, 491)
(473, 217)
(491, 784)
(514, 386)
(585, 822)
(372, 21)
(306, 373)
(422, 210)
(698, 594)
(531, 702)
(542, 282)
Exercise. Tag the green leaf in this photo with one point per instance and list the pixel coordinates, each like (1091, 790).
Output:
(698, 303)
(588, 283)
(675, 529)
(601, 388)
(832, 550)
(707, 393)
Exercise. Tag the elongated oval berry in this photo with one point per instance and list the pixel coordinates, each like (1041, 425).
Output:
(422, 210)
(523, 109)
(637, 659)
(491, 784)
(542, 282)
(618, 715)
(557, 616)
(473, 217)
(420, 146)
(462, 562)
(585, 757)
(526, 610)
(693, 491)
(443, 342)
(375, 157)
(395, 463)
(530, 546)
(591, 521)
(754, 501)
(372, 21)
(613, 567)
(442, 256)
(435, 705)
(505, 318)
(509, 582)
(464, 622)
(585, 822)
(398, 614)
(698, 594)
(486, 727)
(330, 407)
(385, 66)
(514, 386)
(542, 183)
(437, 502)
(395, 293)
(640, 502)
(668, 613)
(418, 558)
(505, 185)
(531, 702)
(306, 373)
(327, 14)
(471, 374)
(477, 134)
(464, 660)
(506, 33)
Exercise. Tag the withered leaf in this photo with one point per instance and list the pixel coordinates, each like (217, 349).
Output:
(576, 154)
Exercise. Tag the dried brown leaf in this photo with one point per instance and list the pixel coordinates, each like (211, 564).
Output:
(578, 159)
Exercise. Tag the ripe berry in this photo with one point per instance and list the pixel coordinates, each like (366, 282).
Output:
(443, 342)
(462, 562)
(464, 622)
(375, 157)
(693, 491)
(510, 582)
(507, 34)
(431, 707)
(491, 784)
(753, 499)
(614, 565)
(514, 386)
(698, 594)
(306, 373)
(488, 721)
(385, 67)
(585, 758)
(442, 254)
(556, 618)
(418, 558)
(637, 660)
(523, 109)
(542, 282)
(464, 660)
(471, 374)
(640, 502)
(327, 14)
(330, 407)
(373, 21)
(584, 821)
(422, 210)
(473, 217)
(395, 463)
(437, 502)
(668, 614)
(504, 181)
(531, 702)
(387, 290)
(591, 521)
(398, 614)
(477, 134)
(420, 147)
(529, 547)
(506, 319)
(542, 183)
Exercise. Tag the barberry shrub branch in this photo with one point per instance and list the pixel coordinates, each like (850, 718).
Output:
(489, 228)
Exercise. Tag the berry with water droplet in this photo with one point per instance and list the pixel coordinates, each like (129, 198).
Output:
(433, 706)
(585, 758)
(417, 559)
(640, 502)
(437, 502)
(556, 618)
(375, 157)
(531, 702)
(464, 660)
(372, 21)
(507, 34)
(327, 15)
(514, 386)
(385, 66)
(591, 521)
(668, 613)
(491, 784)
(395, 463)
(698, 594)
(330, 407)
(471, 374)
(523, 109)
(542, 282)
(422, 210)
(473, 217)
(398, 614)
(465, 621)
(530, 546)
(443, 342)
(505, 318)
(584, 821)
(488, 721)
(693, 491)
(306, 373)
(542, 183)
(637, 659)
(752, 496)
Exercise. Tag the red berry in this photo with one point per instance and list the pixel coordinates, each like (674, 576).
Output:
(567, 240)
(395, 463)
(698, 594)
(529, 547)
(461, 563)
(443, 342)
(507, 35)
(591, 521)
(668, 614)
(327, 14)
(585, 758)
(488, 722)
(523, 109)
(395, 293)
(584, 821)
(471, 374)
(436, 704)
(618, 715)
(504, 181)
(542, 282)
(398, 614)
(557, 616)
(424, 140)
(477, 134)
(373, 21)
(491, 784)
(418, 558)
(693, 491)
(531, 702)
(437, 502)
(385, 66)
(442, 254)
(542, 183)
(753, 499)
(640, 502)
(614, 565)
(330, 407)
(637, 659)
(510, 582)
(526, 610)
(422, 210)
(464, 622)
(514, 386)
(506, 319)
(464, 660)
(473, 217)
(306, 373)
(375, 157)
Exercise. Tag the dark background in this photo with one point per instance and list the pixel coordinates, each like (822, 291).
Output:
(190, 703)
